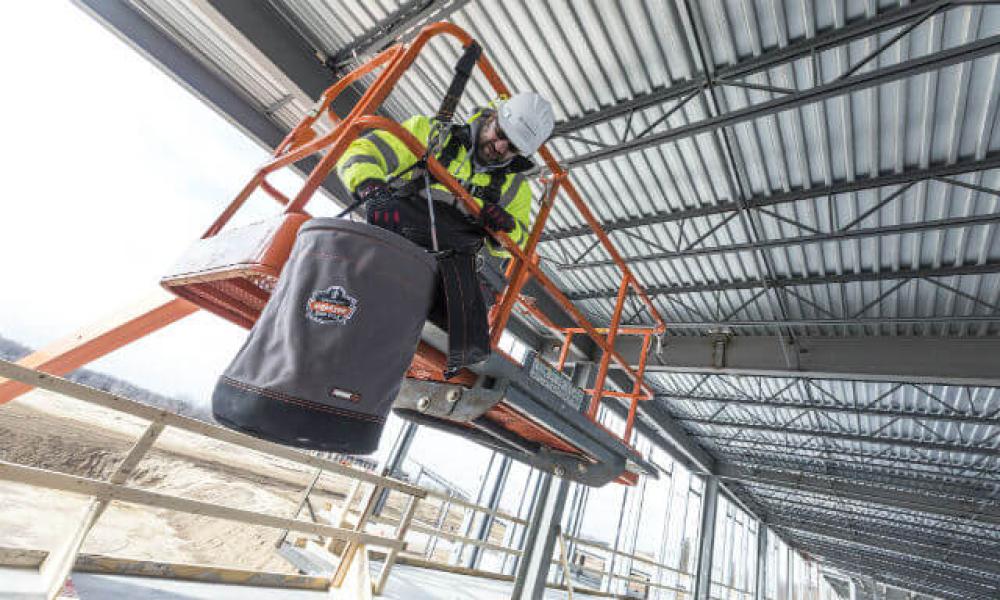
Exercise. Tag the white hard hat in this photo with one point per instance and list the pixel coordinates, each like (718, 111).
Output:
(527, 121)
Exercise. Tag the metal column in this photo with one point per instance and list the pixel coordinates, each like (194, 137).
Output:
(486, 521)
(533, 568)
(761, 588)
(549, 505)
(706, 545)
(394, 462)
(470, 515)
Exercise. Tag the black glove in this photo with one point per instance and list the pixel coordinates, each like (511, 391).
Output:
(381, 205)
(493, 217)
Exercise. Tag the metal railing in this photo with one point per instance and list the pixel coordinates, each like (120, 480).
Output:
(721, 591)
(684, 590)
(303, 141)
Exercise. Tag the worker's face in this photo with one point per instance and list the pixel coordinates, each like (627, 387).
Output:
(493, 146)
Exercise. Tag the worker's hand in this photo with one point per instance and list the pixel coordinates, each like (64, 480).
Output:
(381, 205)
(496, 218)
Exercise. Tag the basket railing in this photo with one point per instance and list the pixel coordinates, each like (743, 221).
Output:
(303, 142)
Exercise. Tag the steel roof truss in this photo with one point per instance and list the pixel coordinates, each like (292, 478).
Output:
(958, 469)
(793, 51)
(959, 54)
(845, 186)
(914, 564)
(955, 507)
(947, 554)
(874, 519)
(908, 574)
(872, 438)
(970, 488)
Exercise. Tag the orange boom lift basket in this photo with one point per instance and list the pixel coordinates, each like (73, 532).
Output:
(232, 272)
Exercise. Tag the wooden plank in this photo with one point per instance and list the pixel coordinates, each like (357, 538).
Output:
(57, 566)
(113, 565)
(476, 507)
(451, 537)
(101, 398)
(390, 559)
(357, 582)
(303, 499)
(21, 558)
(110, 491)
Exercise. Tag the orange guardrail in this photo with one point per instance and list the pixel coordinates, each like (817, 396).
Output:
(302, 141)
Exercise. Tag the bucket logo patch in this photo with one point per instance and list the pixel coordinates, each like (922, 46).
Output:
(332, 305)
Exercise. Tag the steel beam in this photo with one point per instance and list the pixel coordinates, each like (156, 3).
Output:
(119, 17)
(971, 361)
(863, 534)
(666, 432)
(846, 186)
(539, 544)
(969, 488)
(904, 576)
(271, 33)
(913, 566)
(808, 502)
(988, 512)
(760, 590)
(944, 559)
(991, 451)
(706, 539)
(801, 240)
(795, 50)
(798, 404)
(833, 452)
(401, 24)
(838, 322)
(852, 566)
(887, 521)
(987, 268)
(879, 535)
(861, 81)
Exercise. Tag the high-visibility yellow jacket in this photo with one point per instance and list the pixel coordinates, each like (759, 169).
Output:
(380, 155)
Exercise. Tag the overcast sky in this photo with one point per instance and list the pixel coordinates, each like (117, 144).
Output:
(110, 170)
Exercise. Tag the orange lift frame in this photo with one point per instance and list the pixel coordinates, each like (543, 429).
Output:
(148, 316)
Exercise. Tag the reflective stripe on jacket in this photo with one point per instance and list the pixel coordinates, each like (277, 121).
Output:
(380, 155)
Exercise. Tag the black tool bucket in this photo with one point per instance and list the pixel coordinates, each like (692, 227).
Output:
(324, 362)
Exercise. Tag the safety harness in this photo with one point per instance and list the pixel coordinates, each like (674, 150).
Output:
(459, 138)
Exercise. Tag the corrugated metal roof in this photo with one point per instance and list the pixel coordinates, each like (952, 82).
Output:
(793, 186)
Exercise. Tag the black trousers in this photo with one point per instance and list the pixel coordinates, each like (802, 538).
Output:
(460, 303)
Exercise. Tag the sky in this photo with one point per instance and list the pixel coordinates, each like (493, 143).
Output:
(111, 169)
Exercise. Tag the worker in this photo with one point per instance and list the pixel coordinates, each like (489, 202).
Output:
(489, 156)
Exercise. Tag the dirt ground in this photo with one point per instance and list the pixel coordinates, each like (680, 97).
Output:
(45, 430)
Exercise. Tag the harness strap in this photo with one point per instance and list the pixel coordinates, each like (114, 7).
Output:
(460, 139)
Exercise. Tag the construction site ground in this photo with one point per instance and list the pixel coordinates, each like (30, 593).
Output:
(45, 430)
